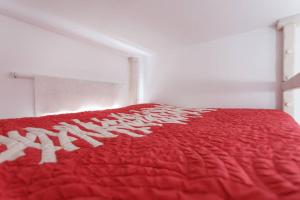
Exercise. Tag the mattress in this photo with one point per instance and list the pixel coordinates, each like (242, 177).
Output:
(151, 151)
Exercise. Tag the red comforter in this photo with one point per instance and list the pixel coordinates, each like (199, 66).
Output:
(151, 152)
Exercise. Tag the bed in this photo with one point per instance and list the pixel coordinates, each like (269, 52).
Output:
(151, 151)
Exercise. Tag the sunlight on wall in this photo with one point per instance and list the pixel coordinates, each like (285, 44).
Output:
(83, 109)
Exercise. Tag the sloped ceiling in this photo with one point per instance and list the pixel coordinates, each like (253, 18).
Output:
(158, 25)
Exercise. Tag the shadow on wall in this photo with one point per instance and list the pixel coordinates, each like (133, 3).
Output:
(220, 94)
(243, 70)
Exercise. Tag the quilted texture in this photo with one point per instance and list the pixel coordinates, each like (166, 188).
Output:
(225, 154)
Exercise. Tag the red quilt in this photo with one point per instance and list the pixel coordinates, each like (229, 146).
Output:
(151, 151)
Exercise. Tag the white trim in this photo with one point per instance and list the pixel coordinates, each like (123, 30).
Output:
(295, 19)
(290, 80)
(289, 48)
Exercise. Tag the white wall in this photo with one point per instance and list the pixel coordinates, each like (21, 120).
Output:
(237, 71)
(30, 50)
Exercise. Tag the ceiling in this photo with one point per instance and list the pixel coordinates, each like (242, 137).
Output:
(158, 25)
